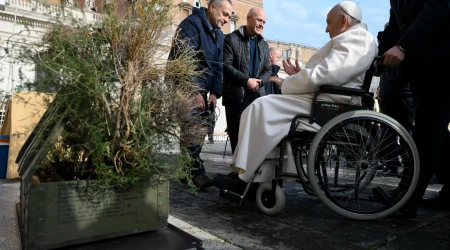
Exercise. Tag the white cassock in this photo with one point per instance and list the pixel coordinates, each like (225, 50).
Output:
(341, 62)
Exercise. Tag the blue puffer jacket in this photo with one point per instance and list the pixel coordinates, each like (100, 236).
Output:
(196, 35)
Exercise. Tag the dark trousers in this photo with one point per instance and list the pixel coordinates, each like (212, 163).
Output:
(443, 168)
(233, 114)
(430, 131)
(211, 121)
(198, 118)
(402, 110)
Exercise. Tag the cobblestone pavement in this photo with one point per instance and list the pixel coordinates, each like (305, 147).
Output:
(305, 223)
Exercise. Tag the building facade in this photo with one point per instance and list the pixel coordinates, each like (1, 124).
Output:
(24, 21)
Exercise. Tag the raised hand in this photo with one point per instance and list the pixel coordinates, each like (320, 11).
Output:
(289, 68)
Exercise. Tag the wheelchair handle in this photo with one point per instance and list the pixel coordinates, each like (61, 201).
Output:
(378, 58)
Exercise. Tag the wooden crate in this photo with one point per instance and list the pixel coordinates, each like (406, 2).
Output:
(57, 214)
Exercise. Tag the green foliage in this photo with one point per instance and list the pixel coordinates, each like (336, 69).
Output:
(125, 103)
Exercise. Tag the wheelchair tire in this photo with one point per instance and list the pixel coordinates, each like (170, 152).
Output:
(270, 203)
(302, 170)
(359, 133)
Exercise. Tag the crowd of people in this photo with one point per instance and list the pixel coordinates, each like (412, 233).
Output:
(259, 106)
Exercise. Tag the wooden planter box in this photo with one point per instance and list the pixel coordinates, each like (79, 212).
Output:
(55, 214)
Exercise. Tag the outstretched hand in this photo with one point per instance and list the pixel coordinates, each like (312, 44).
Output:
(289, 68)
(277, 80)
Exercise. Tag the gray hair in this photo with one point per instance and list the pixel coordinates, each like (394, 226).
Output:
(340, 11)
(273, 50)
(219, 2)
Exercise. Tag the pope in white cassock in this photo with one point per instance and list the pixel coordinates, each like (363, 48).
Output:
(341, 62)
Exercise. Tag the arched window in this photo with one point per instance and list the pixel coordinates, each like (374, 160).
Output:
(197, 3)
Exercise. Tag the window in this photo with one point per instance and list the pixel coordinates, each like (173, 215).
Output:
(232, 26)
(286, 53)
(197, 3)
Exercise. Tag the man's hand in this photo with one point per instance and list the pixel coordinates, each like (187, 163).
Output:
(212, 100)
(393, 57)
(253, 84)
(289, 68)
(378, 93)
(200, 101)
(277, 80)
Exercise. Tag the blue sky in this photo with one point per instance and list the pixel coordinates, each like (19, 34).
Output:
(303, 21)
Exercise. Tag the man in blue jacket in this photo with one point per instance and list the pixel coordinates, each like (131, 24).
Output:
(200, 34)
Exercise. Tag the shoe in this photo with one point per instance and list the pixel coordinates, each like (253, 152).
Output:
(231, 182)
(202, 181)
(231, 174)
(439, 202)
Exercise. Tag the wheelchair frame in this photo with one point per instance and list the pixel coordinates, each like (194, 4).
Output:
(303, 140)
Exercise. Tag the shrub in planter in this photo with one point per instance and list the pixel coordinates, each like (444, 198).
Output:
(113, 119)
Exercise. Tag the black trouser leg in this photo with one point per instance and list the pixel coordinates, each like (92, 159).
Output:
(198, 118)
(431, 127)
(443, 168)
(233, 115)
(402, 110)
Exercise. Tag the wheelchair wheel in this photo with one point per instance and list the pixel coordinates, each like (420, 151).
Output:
(300, 163)
(270, 203)
(346, 161)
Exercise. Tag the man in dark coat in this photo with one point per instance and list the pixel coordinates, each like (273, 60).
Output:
(200, 34)
(246, 69)
(418, 39)
(395, 100)
(274, 57)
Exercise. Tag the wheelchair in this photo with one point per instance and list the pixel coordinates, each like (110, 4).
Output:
(343, 163)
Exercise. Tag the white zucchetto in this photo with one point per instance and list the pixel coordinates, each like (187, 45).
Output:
(352, 9)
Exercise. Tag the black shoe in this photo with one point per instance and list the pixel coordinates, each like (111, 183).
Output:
(233, 183)
(202, 181)
(230, 182)
(439, 202)
(230, 175)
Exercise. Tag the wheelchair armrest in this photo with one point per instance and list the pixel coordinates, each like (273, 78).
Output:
(340, 90)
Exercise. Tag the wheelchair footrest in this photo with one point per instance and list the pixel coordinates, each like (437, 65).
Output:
(233, 196)
(230, 195)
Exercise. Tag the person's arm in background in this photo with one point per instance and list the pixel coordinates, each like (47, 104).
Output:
(433, 14)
